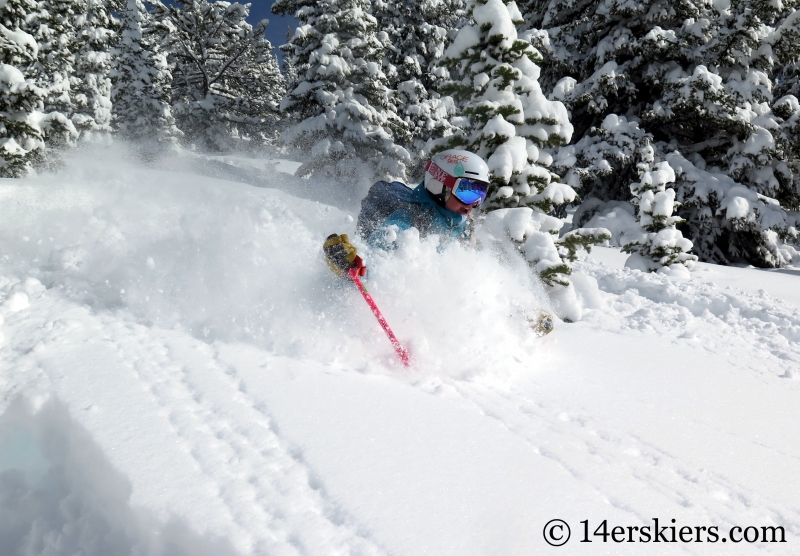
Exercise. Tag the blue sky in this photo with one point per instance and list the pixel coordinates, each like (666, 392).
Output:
(276, 30)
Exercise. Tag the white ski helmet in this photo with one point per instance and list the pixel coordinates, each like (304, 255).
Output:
(454, 172)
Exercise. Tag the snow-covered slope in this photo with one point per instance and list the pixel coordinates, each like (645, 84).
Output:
(182, 374)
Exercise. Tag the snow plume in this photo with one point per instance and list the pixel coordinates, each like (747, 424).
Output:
(230, 262)
(443, 299)
(535, 236)
(60, 495)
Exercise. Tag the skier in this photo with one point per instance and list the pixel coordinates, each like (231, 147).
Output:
(455, 183)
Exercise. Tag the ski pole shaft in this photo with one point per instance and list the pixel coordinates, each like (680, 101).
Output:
(401, 352)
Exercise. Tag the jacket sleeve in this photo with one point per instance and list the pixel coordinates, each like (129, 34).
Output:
(384, 236)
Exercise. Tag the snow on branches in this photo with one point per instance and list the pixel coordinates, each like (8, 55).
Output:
(92, 88)
(662, 246)
(142, 80)
(697, 79)
(414, 34)
(341, 101)
(511, 124)
(226, 84)
(22, 122)
(53, 26)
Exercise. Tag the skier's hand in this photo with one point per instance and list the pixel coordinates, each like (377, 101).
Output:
(341, 255)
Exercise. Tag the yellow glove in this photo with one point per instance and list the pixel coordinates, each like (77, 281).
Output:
(341, 255)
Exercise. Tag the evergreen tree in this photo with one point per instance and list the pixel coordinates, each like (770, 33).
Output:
(22, 124)
(226, 84)
(93, 64)
(54, 68)
(696, 77)
(787, 78)
(289, 71)
(512, 126)
(511, 123)
(416, 33)
(341, 101)
(663, 246)
(141, 80)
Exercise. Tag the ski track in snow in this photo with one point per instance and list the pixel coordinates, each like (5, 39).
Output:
(231, 441)
(584, 444)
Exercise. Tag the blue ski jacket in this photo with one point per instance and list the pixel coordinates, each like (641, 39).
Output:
(395, 204)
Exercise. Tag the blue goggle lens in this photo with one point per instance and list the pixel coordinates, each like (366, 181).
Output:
(470, 191)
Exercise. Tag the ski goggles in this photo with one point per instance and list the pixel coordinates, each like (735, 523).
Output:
(467, 190)
(470, 191)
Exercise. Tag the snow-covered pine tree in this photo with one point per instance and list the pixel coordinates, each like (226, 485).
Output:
(415, 34)
(289, 71)
(92, 90)
(226, 83)
(142, 80)
(787, 75)
(263, 88)
(696, 76)
(663, 246)
(785, 43)
(341, 101)
(21, 120)
(512, 125)
(54, 68)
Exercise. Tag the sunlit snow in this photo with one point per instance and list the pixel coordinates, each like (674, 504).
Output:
(181, 373)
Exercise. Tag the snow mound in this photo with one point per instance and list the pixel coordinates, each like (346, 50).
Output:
(60, 495)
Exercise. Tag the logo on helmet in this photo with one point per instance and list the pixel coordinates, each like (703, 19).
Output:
(454, 158)
(458, 171)
(437, 173)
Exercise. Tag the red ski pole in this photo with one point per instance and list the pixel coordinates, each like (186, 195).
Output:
(401, 352)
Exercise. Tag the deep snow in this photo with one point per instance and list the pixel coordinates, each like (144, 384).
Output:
(182, 374)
